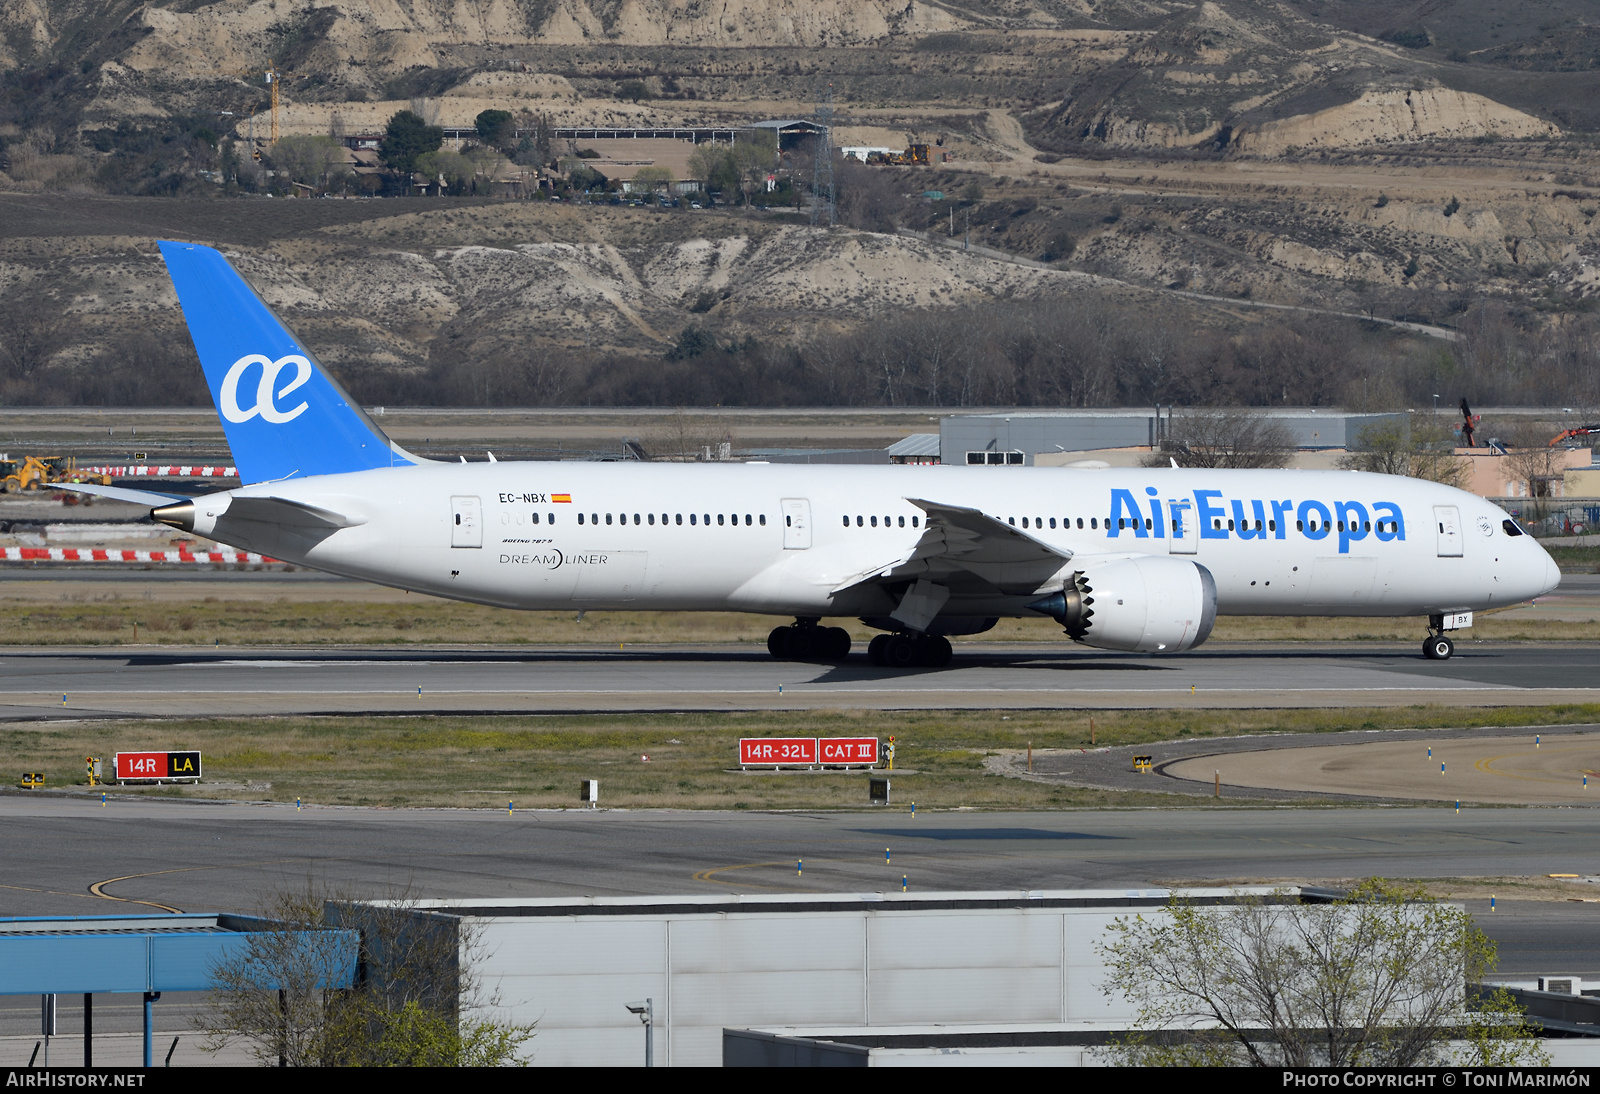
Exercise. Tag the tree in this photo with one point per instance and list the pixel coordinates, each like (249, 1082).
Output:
(714, 166)
(1380, 978)
(652, 179)
(32, 329)
(495, 128)
(1421, 448)
(1531, 460)
(416, 1002)
(309, 159)
(407, 137)
(633, 90)
(1224, 438)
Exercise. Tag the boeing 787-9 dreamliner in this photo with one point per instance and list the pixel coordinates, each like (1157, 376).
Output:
(1124, 559)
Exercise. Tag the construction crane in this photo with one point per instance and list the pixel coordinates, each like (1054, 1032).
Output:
(272, 77)
(1574, 433)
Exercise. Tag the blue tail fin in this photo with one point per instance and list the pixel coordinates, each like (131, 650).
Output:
(284, 416)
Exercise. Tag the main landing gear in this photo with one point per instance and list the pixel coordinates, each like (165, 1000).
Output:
(903, 651)
(1436, 647)
(805, 641)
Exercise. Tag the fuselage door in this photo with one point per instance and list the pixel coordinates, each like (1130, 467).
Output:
(796, 524)
(1448, 520)
(466, 529)
(1183, 535)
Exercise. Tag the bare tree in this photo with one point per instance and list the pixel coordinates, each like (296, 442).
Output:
(32, 329)
(1225, 438)
(1378, 979)
(1422, 447)
(1531, 460)
(416, 1003)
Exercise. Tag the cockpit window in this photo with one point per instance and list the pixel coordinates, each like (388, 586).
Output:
(1511, 527)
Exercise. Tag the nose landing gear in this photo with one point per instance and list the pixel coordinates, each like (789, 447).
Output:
(805, 641)
(903, 651)
(1436, 647)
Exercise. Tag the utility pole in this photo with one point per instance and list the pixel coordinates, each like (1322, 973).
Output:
(822, 191)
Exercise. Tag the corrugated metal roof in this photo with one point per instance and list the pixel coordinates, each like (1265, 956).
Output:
(918, 444)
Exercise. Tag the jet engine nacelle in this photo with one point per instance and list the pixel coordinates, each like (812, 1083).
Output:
(1149, 604)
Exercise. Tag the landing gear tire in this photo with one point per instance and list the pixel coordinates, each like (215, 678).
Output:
(1438, 648)
(837, 643)
(809, 643)
(875, 650)
(900, 651)
(934, 651)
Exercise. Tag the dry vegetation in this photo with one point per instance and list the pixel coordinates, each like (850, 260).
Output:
(57, 619)
(537, 762)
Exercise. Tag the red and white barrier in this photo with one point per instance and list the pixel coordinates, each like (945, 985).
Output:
(164, 471)
(101, 554)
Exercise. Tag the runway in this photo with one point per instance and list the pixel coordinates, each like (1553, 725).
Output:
(200, 856)
(200, 682)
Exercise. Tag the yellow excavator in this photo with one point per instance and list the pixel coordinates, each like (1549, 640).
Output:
(38, 472)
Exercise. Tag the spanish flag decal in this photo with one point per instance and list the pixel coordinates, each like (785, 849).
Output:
(561, 498)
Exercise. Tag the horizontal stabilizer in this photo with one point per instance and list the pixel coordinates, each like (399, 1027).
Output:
(289, 514)
(120, 493)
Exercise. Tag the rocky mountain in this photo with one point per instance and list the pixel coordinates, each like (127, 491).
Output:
(1248, 76)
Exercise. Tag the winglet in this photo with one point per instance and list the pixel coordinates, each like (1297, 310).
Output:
(283, 414)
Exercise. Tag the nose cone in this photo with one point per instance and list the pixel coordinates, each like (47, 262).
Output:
(1552, 573)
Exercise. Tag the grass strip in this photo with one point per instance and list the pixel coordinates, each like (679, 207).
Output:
(538, 761)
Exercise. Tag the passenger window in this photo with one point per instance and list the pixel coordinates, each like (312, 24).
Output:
(1080, 522)
(652, 519)
(552, 517)
(1299, 526)
(608, 518)
(719, 519)
(1258, 526)
(1272, 526)
(1148, 527)
(846, 521)
(747, 520)
(763, 520)
(1121, 524)
(680, 519)
(860, 521)
(636, 518)
(874, 522)
(1230, 524)
(1011, 521)
(913, 522)
(708, 519)
(1366, 525)
(580, 518)
(1052, 522)
(902, 522)
(1094, 522)
(691, 518)
(536, 518)
(1024, 522)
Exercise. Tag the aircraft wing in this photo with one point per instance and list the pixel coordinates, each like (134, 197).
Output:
(969, 551)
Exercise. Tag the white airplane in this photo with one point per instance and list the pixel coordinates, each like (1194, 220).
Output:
(1124, 559)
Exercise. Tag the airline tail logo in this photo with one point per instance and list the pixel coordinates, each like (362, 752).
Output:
(266, 401)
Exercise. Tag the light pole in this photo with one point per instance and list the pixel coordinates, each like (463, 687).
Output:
(646, 1012)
